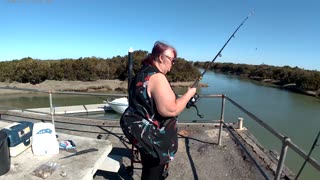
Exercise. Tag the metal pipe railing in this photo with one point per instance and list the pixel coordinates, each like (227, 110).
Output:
(51, 108)
(221, 118)
(282, 158)
(263, 124)
(304, 155)
(286, 142)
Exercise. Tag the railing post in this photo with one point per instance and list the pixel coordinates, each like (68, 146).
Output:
(51, 108)
(282, 157)
(221, 119)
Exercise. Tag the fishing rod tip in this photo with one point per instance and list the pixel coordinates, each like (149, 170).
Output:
(252, 12)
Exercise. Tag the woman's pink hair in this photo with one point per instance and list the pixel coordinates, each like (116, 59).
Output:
(158, 48)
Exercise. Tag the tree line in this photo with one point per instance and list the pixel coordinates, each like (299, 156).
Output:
(35, 71)
(304, 80)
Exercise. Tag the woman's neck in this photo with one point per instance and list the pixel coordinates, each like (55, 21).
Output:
(159, 66)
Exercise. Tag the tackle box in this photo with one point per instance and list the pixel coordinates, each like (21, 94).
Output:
(19, 136)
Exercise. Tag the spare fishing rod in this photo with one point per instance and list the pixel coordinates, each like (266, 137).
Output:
(309, 154)
(195, 98)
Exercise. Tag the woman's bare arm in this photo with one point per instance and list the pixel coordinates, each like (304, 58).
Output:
(167, 104)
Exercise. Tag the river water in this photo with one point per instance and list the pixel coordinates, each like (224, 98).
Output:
(294, 115)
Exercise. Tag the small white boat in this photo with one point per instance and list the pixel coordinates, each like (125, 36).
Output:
(119, 105)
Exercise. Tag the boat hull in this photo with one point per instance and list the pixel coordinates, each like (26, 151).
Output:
(119, 105)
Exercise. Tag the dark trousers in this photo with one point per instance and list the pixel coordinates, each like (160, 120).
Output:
(151, 169)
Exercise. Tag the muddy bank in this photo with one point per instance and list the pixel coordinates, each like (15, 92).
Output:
(78, 86)
(290, 87)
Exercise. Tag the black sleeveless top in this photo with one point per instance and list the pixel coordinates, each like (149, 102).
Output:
(143, 125)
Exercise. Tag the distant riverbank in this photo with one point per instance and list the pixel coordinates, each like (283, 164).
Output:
(273, 83)
(290, 87)
(78, 86)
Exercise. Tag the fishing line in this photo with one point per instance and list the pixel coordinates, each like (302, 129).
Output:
(196, 83)
(194, 99)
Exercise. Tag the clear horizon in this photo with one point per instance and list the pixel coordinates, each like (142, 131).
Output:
(279, 33)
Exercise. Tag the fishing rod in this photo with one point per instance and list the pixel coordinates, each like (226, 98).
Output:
(195, 98)
(196, 83)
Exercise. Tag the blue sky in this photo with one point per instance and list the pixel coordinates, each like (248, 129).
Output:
(281, 32)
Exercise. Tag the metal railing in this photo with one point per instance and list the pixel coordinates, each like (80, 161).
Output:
(286, 142)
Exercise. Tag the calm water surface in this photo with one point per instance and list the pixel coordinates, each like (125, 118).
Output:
(294, 115)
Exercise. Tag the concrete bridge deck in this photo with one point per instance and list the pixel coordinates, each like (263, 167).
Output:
(198, 156)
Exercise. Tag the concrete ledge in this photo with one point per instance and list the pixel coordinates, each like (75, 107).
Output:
(81, 166)
(109, 165)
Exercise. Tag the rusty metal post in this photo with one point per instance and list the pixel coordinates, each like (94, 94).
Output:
(221, 119)
(282, 157)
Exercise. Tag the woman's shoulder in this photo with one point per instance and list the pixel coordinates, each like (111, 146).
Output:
(159, 76)
(159, 79)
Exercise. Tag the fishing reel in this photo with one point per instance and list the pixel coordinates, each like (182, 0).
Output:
(192, 103)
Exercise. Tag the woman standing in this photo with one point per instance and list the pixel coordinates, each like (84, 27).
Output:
(150, 120)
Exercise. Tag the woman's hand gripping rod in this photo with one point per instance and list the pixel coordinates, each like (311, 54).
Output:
(195, 98)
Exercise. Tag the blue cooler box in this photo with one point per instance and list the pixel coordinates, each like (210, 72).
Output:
(20, 136)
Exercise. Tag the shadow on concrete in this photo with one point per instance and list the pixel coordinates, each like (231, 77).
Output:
(187, 143)
(194, 171)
